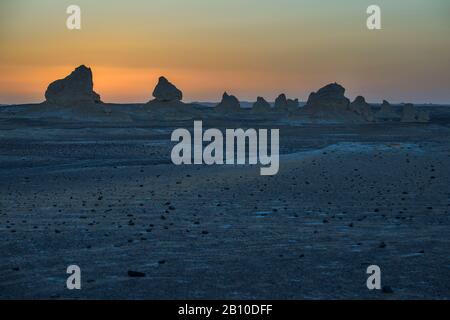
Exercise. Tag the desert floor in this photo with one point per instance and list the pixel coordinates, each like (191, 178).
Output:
(109, 200)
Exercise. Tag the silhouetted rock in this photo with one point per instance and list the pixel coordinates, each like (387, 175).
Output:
(332, 95)
(362, 108)
(292, 104)
(229, 103)
(385, 104)
(261, 105)
(284, 104)
(166, 91)
(358, 102)
(411, 114)
(281, 102)
(387, 113)
(75, 89)
(423, 116)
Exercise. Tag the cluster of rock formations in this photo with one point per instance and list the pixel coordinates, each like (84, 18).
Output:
(405, 113)
(328, 102)
(75, 89)
(410, 114)
(284, 104)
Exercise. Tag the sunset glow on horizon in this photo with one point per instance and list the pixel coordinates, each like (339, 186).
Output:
(249, 48)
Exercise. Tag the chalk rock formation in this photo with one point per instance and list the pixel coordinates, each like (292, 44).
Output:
(284, 104)
(330, 96)
(411, 114)
(387, 113)
(408, 113)
(281, 102)
(362, 108)
(261, 105)
(423, 116)
(292, 104)
(166, 91)
(229, 103)
(75, 89)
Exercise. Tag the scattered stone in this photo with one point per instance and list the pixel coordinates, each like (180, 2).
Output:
(136, 274)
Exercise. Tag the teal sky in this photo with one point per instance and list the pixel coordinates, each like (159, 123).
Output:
(247, 47)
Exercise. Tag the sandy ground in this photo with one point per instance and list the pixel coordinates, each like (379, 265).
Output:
(109, 200)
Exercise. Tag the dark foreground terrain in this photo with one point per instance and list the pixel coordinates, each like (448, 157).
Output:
(109, 200)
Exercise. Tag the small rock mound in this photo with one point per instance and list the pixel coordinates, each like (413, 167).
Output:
(75, 89)
(261, 105)
(166, 91)
(229, 103)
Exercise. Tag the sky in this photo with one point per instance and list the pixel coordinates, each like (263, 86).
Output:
(249, 48)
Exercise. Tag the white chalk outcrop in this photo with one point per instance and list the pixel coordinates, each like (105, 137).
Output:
(362, 108)
(165, 91)
(229, 103)
(261, 106)
(285, 105)
(387, 113)
(329, 97)
(75, 89)
(411, 114)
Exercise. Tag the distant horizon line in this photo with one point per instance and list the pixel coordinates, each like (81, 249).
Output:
(240, 101)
